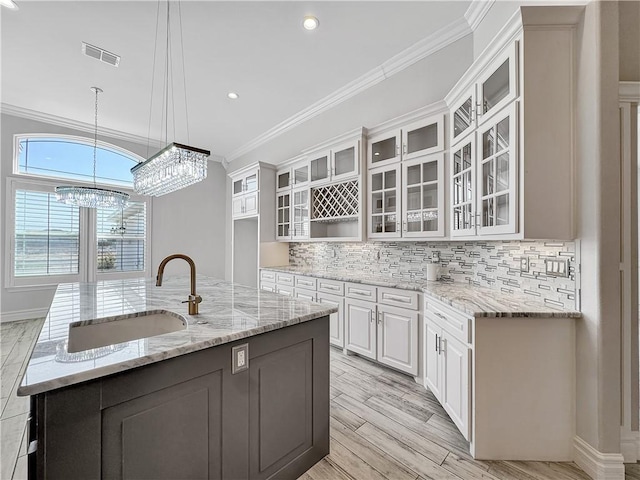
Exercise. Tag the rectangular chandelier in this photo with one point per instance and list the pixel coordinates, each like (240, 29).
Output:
(174, 167)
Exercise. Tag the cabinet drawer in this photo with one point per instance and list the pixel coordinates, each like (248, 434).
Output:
(398, 298)
(330, 286)
(284, 279)
(453, 322)
(268, 275)
(361, 291)
(285, 290)
(268, 286)
(305, 294)
(308, 283)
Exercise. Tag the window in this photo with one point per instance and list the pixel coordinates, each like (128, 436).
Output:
(71, 158)
(49, 242)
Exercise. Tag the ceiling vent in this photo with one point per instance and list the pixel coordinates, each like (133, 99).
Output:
(100, 54)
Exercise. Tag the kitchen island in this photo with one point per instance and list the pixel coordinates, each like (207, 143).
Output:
(239, 391)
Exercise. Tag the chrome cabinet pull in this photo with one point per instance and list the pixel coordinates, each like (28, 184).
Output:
(397, 149)
(440, 315)
(437, 343)
(404, 148)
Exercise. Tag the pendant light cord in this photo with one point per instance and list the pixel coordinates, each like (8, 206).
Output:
(95, 136)
(153, 76)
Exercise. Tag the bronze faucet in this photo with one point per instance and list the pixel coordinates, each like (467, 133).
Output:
(194, 299)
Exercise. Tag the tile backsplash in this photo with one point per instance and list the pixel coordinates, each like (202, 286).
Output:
(494, 264)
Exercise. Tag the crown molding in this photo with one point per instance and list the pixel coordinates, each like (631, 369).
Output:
(51, 119)
(629, 91)
(416, 52)
(476, 12)
(437, 108)
(350, 135)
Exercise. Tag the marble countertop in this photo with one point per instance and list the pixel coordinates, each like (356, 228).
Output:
(228, 312)
(469, 299)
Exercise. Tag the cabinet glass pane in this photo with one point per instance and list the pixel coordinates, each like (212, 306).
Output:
(413, 198)
(502, 174)
(285, 229)
(488, 144)
(345, 161)
(390, 179)
(376, 202)
(468, 188)
(413, 175)
(502, 137)
(376, 224)
(319, 168)
(283, 179)
(457, 162)
(376, 182)
(487, 178)
(422, 138)
(429, 221)
(252, 182)
(457, 190)
(466, 216)
(430, 172)
(301, 174)
(414, 222)
(281, 230)
(383, 150)
(280, 202)
(487, 213)
(462, 118)
(502, 210)
(430, 196)
(389, 223)
(280, 216)
(466, 156)
(286, 215)
(496, 87)
(237, 186)
(390, 201)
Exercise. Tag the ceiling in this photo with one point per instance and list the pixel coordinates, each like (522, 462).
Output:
(257, 49)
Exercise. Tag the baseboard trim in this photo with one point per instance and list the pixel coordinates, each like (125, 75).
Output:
(599, 466)
(23, 315)
(629, 445)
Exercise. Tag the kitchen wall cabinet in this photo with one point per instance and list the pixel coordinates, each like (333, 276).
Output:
(283, 216)
(244, 205)
(296, 175)
(245, 182)
(384, 201)
(517, 134)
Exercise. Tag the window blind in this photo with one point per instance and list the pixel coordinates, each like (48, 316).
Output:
(47, 235)
(121, 237)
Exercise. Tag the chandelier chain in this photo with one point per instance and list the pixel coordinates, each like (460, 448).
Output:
(95, 135)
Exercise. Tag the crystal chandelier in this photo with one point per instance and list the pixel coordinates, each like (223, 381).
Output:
(176, 166)
(92, 197)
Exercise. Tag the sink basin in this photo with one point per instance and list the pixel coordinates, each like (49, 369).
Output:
(112, 330)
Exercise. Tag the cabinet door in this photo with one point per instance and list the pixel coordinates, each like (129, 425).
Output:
(283, 219)
(398, 338)
(283, 179)
(456, 392)
(345, 161)
(237, 207)
(423, 137)
(432, 368)
(463, 188)
(320, 168)
(462, 118)
(360, 328)
(251, 204)
(498, 85)
(383, 149)
(251, 182)
(300, 214)
(300, 174)
(497, 167)
(238, 186)
(336, 320)
(384, 202)
(423, 197)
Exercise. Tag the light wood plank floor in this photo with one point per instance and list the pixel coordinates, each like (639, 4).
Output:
(383, 426)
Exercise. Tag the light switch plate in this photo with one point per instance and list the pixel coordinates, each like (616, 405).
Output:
(557, 268)
(524, 264)
(239, 358)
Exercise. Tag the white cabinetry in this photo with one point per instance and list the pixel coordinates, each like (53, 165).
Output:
(360, 327)
(336, 320)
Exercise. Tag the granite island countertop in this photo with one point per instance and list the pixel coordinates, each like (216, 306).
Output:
(228, 312)
(469, 299)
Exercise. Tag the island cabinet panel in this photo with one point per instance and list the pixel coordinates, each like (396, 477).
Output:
(190, 417)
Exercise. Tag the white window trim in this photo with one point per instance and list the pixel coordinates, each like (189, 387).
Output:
(71, 139)
(87, 255)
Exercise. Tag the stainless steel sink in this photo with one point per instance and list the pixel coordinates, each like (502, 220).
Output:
(111, 330)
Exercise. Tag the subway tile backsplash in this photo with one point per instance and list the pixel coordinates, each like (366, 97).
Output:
(494, 264)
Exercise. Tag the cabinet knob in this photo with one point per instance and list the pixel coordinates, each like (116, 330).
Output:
(397, 149)
(404, 148)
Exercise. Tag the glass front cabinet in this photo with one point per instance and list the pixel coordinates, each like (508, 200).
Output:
(247, 183)
(283, 215)
(423, 197)
(300, 207)
(384, 202)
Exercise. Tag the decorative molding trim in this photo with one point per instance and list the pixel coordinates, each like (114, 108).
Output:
(418, 51)
(436, 108)
(23, 315)
(29, 114)
(599, 466)
(350, 135)
(476, 12)
(629, 445)
(629, 91)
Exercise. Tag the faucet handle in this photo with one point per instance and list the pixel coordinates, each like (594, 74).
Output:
(193, 299)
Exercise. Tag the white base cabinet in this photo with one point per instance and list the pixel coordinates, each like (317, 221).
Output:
(336, 320)
(360, 328)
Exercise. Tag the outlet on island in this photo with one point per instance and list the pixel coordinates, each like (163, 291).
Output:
(239, 358)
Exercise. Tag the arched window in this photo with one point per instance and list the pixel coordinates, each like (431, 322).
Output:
(71, 158)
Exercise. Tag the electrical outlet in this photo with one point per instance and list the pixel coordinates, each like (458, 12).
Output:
(435, 257)
(524, 264)
(239, 358)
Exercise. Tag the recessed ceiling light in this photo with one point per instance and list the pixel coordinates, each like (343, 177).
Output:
(233, 95)
(310, 23)
(9, 4)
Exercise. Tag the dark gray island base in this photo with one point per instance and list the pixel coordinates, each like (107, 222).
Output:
(189, 417)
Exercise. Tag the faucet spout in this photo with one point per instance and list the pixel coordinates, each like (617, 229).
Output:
(194, 298)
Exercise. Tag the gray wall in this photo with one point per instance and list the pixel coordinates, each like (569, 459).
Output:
(629, 14)
(189, 221)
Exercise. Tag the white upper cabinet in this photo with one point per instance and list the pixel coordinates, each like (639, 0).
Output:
(345, 160)
(384, 149)
(283, 216)
(462, 117)
(296, 175)
(423, 196)
(463, 187)
(300, 207)
(245, 183)
(320, 167)
(498, 85)
(384, 202)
